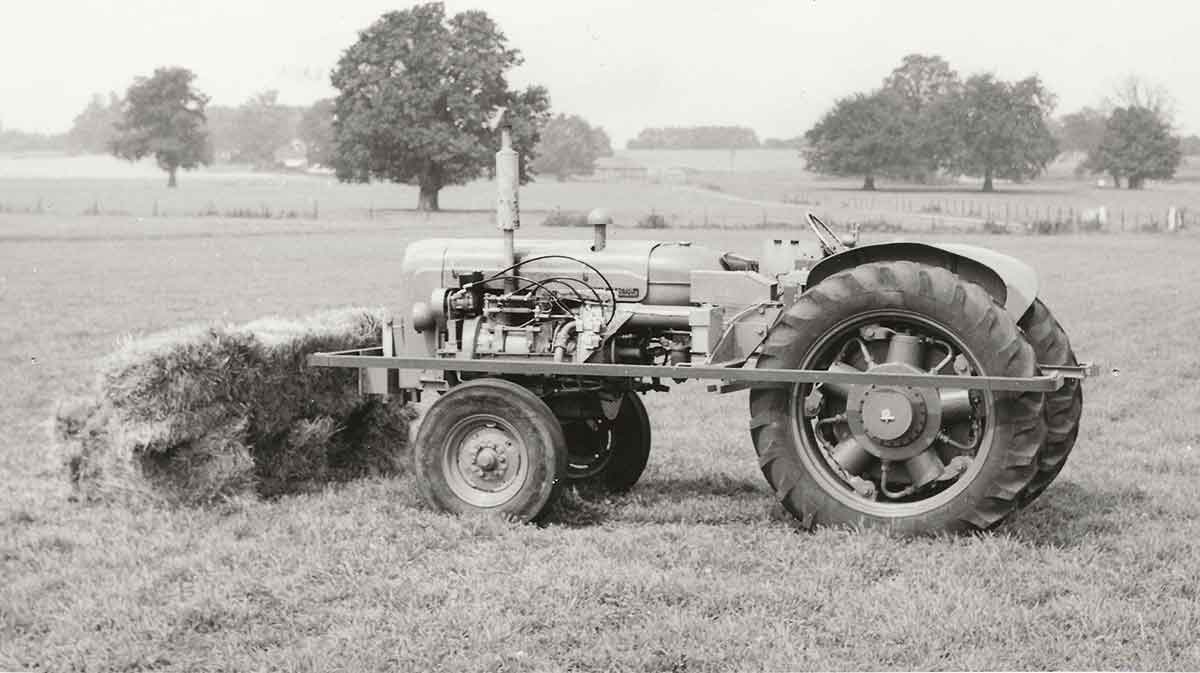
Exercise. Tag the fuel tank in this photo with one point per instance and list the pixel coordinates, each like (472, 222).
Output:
(648, 272)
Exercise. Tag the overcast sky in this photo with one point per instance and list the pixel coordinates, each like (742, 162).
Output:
(623, 64)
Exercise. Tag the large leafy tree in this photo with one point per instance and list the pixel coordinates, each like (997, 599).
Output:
(997, 129)
(261, 127)
(316, 130)
(163, 117)
(415, 93)
(864, 134)
(570, 146)
(921, 82)
(1138, 145)
(95, 127)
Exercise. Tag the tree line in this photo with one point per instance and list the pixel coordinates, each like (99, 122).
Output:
(924, 119)
(416, 89)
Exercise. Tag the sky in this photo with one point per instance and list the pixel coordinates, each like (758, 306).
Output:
(774, 66)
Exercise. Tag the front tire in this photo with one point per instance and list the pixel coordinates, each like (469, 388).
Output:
(490, 445)
(827, 450)
(610, 454)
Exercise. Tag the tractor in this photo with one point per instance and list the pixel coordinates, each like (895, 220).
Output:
(917, 387)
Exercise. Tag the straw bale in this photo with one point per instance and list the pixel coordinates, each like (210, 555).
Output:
(203, 414)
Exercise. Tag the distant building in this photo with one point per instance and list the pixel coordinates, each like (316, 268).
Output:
(619, 169)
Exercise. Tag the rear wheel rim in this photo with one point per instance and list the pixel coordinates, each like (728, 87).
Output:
(484, 460)
(816, 457)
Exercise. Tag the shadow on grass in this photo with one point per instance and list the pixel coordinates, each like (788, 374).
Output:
(1069, 515)
(715, 500)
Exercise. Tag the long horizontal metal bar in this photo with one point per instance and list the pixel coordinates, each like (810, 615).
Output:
(360, 360)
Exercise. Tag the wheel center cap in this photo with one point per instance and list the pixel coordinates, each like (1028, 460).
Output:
(486, 459)
(889, 414)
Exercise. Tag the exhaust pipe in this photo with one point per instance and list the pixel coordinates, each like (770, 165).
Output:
(508, 209)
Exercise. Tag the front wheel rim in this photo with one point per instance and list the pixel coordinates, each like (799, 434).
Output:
(812, 431)
(484, 460)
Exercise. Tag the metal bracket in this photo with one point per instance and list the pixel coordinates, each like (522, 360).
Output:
(358, 359)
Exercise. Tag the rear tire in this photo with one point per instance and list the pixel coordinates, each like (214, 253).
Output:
(1063, 407)
(916, 300)
(490, 445)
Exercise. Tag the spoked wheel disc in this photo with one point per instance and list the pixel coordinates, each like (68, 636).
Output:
(908, 458)
(893, 450)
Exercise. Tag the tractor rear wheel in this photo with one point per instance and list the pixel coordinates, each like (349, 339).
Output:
(490, 445)
(910, 459)
(611, 454)
(1063, 406)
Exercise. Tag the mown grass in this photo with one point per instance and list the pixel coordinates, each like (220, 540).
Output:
(696, 569)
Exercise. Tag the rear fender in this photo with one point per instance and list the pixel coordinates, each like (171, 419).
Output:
(1011, 282)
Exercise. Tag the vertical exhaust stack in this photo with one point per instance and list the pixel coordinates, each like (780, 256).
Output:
(508, 209)
(599, 219)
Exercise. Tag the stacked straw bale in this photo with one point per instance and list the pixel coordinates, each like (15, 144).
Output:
(204, 414)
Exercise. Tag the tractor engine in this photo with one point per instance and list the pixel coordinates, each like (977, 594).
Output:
(558, 318)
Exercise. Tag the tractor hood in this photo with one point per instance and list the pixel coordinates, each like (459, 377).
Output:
(649, 272)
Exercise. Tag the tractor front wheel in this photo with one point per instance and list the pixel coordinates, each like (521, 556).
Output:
(490, 445)
(609, 453)
(911, 459)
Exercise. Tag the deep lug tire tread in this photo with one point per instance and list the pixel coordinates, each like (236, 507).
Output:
(1063, 407)
(941, 295)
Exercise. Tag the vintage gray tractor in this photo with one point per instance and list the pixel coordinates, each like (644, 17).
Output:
(914, 386)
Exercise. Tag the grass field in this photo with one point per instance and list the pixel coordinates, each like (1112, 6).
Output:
(697, 569)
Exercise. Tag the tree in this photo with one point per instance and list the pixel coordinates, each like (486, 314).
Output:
(261, 127)
(796, 143)
(997, 129)
(95, 127)
(316, 130)
(921, 80)
(1082, 131)
(569, 146)
(163, 117)
(694, 138)
(415, 93)
(1138, 145)
(1138, 92)
(864, 134)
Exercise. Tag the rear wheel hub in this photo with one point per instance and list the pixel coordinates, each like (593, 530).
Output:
(894, 422)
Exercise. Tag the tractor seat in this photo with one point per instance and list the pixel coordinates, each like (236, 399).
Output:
(731, 261)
